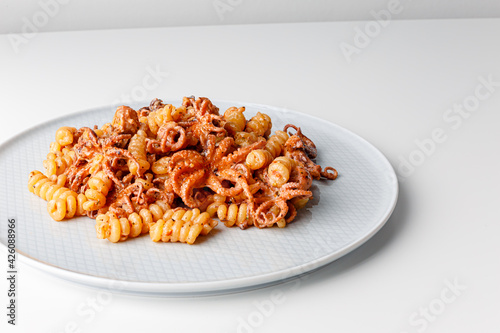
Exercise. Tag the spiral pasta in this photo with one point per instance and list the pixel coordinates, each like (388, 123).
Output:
(181, 226)
(99, 186)
(160, 167)
(109, 226)
(259, 124)
(260, 158)
(137, 147)
(279, 170)
(62, 202)
(44, 187)
(235, 120)
(167, 113)
(64, 136)
(57, 162)
(55, 147)
(106, 129)
(276, 143)
(232, 214)
(243, 139)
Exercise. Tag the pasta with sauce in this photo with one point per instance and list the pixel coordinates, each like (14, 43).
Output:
(171, 171)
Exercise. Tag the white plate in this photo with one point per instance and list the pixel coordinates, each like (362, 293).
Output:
(343, 215)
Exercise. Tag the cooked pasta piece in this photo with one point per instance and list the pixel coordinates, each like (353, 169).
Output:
(137, 147)
(299, 202)
(55, 147)
(260, 158)
(80, 198)
(232, 214)
(50, 164)
(43, 187)
(181, 226)
(213, 203)
(59, 180)
(109, 226)
(235, 120)
(259, 124)
(160, 116)
(64, 135)
(179, 113)
(279, 170)
(62, 202)
(154, 122)
(57, 162)
(244, 139)
(160, 167)
(276, 143)
(106, 129)
(99, 186)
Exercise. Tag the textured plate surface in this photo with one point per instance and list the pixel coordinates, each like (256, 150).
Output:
(343, 215)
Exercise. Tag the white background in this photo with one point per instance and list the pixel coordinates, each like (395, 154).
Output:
(394, 92)
(116, 14)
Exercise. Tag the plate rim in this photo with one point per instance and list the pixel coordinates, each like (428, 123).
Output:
(180, 289)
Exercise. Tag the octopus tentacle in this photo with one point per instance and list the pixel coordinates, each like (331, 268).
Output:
(308, 144)
(300, 176)
(210, 148)
(287, 126)
(215, 184)
(110, 174)
(329, 175)
(221, 150)
(263, 217)
(173, 137)
(186, 191)
(290, 193)
(292, 212)
(240, 154)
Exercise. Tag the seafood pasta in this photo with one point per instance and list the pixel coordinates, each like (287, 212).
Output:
(173, 172)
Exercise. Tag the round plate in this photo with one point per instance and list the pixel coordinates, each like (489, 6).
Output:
(343, 214)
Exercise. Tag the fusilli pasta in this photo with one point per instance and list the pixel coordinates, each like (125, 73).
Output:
(99, 186)
(181, 226)
(235, 120)
(137, 148)
(279, 170)
(62, 202)
(259, 124)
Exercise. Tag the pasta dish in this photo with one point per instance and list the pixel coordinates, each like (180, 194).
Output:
(174, 172)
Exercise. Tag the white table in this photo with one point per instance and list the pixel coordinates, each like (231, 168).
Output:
(434, 267)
